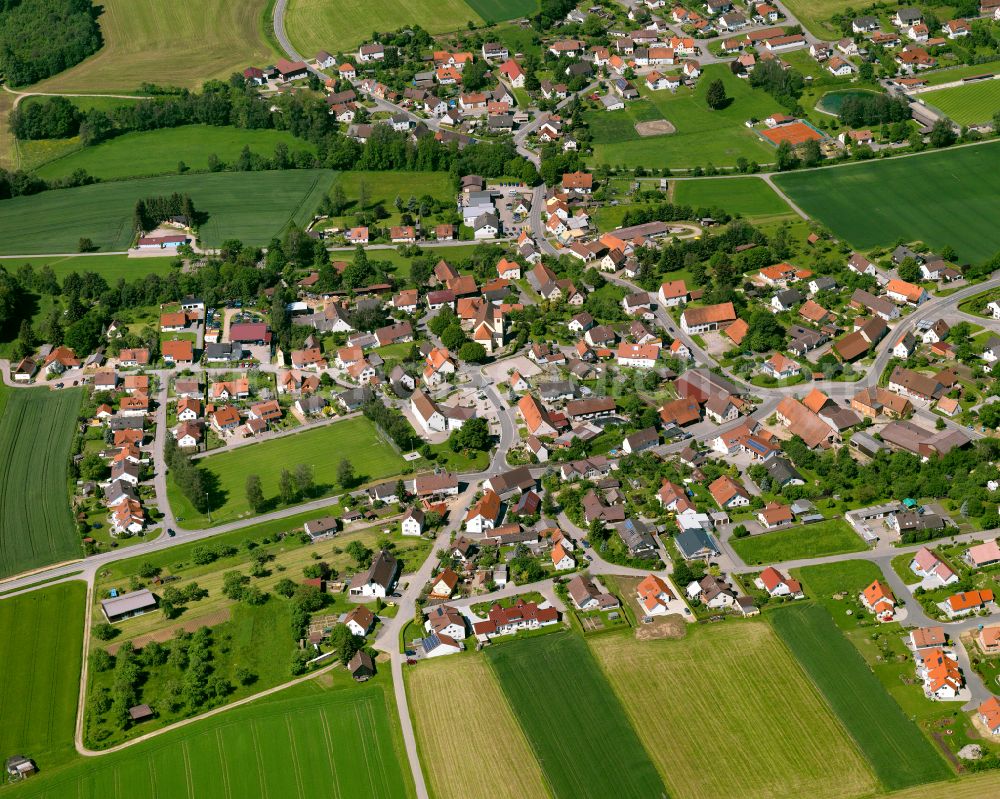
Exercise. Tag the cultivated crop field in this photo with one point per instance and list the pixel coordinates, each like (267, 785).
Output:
(769, 734)
(158, 152)
(41, 637)
(897, 751)
(829, 537)
(322, 448)
(251, 206)
(703, 136)
(482, 722)
(168, 44)
(750, 197)
(341, 25)
(969, 104)
(572, 719)
(861, 203)
(306, 741)
(36, 526)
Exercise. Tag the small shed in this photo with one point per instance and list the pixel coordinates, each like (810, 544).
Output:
(140, 713)
(361, 666)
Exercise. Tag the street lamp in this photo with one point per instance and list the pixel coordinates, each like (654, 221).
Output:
(209, 506)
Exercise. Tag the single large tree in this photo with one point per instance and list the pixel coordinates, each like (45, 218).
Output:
(716, 96)
(255, 494)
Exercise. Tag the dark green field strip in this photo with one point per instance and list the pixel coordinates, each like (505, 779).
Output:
(338, 743)
(36, 524)
(41, 637)
(251, 206)
(899, 753)
(943, 198)
(573, 719)
(501, 10)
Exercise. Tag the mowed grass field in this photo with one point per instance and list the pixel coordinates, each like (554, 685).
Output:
(41, 637)
(323, 449)
(36, 525)
(830, 537)
(897, 751)
(170, 44)
(110, 267)
(703, 136)
(969, 104)
(251, 206)
(384, 188)
(573, 721)
(341, 25)
(727, 712)
(950, 198)
(482, 723)
(158, 152)
(750, 197)
(306, 741)
(815, 15)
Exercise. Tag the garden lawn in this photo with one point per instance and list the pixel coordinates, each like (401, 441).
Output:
(573, 721)
(36, 525)
(305, 741)
(251, 206)
(768, 736)
(703, 136)
(158, 152)
(168, 44)
(341, 25)
(322, 448)
(110, 267)
(475, 724)
(860, 202)
(41, 636)
(829, 537)
(750, 197)
(969, 104)
(898, 752)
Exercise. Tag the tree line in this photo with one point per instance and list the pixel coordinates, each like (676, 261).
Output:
(236, 104)
(186, 475)
(151, 211)
(40, 38)
(873, 109)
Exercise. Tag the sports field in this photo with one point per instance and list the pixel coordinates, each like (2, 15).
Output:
(768, 735)
(170, 44)
(341, 25)
(830, 537)
(252, 206)
(573, 721)
(306, 741)
(322, 448)
(482, 723)
(36, 526)
(158, 152)
(750, 197)
(703, 136)
(41, 636)
(969, 104)
(897, 751)
(861, 202)
(110, 267)
(938, 76)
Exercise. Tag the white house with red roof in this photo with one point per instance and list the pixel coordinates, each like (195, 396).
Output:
(777, 584)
